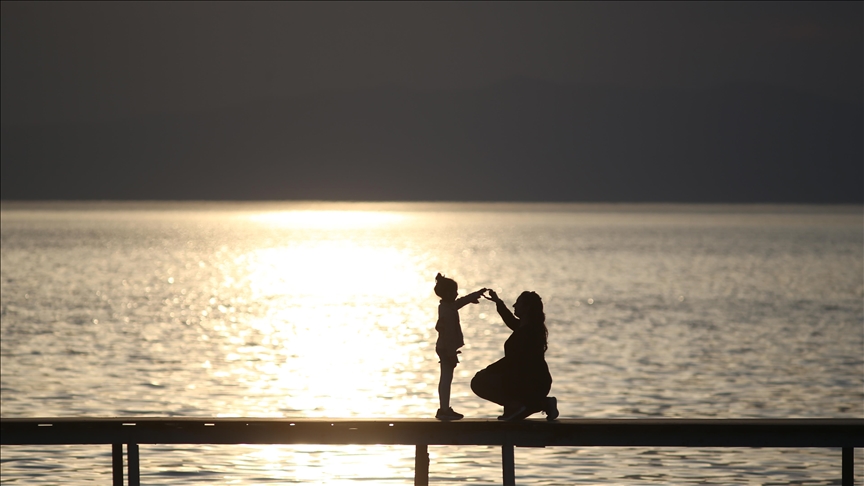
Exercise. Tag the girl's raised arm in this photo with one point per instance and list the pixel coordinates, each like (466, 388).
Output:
(471, 298)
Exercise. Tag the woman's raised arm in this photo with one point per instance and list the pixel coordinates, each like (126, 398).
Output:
(507, 316)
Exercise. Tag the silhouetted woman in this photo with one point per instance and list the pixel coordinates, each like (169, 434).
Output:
(520, 380)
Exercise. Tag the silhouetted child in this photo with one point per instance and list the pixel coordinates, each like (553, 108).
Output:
(449, 338)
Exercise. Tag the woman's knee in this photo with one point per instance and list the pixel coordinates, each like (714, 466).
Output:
(486, 385)
(477, 385)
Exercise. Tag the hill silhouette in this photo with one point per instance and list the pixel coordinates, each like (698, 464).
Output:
(518, 140)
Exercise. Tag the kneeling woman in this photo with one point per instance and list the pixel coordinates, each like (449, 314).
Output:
(520, 380)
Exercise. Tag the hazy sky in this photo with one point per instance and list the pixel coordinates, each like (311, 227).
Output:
(75, 61)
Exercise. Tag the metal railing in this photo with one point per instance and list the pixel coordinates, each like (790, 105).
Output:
(132, 431)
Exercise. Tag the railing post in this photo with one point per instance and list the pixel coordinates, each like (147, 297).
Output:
(117, 464)
(133, 464)
(508, 465)
(848, 466)
(421, 465)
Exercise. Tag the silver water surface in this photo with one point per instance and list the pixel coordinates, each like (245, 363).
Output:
(326, 310)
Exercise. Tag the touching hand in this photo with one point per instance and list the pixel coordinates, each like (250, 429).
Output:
(481, 292)
(492, 296)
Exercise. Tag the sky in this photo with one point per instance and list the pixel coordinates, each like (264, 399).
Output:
(68, 67)
(72, 61)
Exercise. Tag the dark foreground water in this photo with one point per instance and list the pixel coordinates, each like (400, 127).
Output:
(327, 310)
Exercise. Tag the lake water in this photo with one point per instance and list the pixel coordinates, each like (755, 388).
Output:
(327, 310)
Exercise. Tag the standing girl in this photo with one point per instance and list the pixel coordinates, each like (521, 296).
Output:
(449, 338)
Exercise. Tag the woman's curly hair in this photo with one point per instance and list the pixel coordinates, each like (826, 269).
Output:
(534, 312)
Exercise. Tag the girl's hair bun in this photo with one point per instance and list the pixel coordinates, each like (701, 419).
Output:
(444, 286)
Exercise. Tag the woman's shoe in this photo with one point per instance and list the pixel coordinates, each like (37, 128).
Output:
(551, 408)
(516, 413)
(448, 414)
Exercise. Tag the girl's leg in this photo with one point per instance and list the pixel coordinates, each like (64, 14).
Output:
(444, 385)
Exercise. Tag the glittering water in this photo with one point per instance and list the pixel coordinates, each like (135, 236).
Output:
(327, 310)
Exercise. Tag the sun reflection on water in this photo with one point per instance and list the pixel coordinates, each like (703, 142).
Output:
(309, 464)
(332, 270)
(342, 320)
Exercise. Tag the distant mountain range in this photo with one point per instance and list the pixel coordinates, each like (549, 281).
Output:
(519, 140)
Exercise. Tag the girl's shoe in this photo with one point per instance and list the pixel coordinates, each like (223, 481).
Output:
(448, 414)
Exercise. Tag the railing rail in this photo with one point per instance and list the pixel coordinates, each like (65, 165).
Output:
(132, 431)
